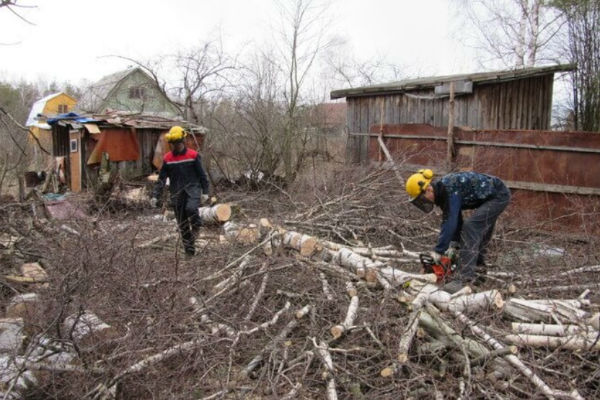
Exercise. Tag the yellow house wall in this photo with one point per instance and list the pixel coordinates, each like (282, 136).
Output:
(40, 159)
(52, 104)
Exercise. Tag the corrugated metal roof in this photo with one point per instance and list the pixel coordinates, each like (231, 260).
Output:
(430, 82)
(125, 119)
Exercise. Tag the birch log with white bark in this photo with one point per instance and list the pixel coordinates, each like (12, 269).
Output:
(399, 277)
(216, 214)
(246, 234)
(587, 342)
(515, 361)
(550, 329)
(532, 310)
(22, 305)
(325, 355)
(338, 330)
(306, 245)
(86, 328)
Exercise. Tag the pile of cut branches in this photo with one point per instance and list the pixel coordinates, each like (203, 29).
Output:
(320, 299)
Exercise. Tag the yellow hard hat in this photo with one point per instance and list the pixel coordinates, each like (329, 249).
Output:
(417, 183)
(175, 134)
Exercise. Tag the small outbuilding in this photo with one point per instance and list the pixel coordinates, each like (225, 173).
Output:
(86, 146)
(509, 99)
(40, 131)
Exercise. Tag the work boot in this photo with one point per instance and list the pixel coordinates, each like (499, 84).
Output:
(190, 251)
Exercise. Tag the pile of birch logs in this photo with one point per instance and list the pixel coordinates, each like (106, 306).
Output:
(564, 324)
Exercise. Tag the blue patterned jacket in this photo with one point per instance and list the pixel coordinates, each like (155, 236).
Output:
(460, 191)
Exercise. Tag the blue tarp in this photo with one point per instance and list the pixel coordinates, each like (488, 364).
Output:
(70, 117)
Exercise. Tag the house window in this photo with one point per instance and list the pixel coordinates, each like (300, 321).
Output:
(63, 109)
(136, 92)
(73, 145)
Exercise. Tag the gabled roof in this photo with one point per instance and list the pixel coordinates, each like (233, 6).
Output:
(99, 91)
(38, 108)
(431, 82)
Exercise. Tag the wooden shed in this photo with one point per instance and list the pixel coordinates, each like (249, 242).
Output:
(511, 99)
(132, 144)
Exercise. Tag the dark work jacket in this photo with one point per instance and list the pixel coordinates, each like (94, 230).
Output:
(456, 192)
(185, 174)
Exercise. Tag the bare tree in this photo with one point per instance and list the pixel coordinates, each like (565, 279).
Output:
(190, 76)
(304, 37)
(516, 33)
(13, 7)
(583, 49)
(346, 69)
(202, 71)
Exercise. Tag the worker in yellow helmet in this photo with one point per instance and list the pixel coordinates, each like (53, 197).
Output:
(487, 195)
(187, 184)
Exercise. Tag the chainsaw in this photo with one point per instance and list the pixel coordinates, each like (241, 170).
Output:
(442, 270)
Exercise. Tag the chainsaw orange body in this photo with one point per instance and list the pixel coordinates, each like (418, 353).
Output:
(442, 270)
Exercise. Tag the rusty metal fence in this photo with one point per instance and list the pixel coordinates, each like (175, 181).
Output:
(554, 176)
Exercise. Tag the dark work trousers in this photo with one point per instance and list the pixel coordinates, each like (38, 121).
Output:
(477, 231)
(188, 219)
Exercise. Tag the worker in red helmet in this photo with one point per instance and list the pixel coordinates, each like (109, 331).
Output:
(187, 184)
(486, 195)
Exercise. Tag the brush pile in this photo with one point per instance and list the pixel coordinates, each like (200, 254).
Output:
(313, 295)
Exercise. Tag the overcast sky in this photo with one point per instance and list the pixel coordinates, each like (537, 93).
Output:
(71, 39)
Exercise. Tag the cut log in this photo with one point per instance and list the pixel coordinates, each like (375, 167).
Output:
(13, 379)
(347, 258)
(588, 342)
(338, 330)
(247, 234)
(87, 329)
(304, 244)
(399, 277)
(11, 335)
(470, 302)
(216, 214)
(35, 272)
(407, 337)
(551, 329)
(544, 311)
(22, 305)
(447, 302)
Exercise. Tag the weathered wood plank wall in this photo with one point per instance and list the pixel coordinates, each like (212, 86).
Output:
(518, 104)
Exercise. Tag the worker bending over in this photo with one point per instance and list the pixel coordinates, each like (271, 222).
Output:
(187, 184)
(487, 195)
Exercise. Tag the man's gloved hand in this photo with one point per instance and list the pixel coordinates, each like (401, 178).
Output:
(154, 202)
(452, 251)
(204, 199)
(437, 257)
